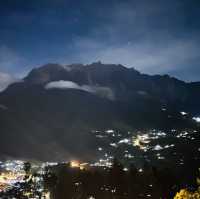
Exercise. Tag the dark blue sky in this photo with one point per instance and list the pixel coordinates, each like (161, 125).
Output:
(154, 36)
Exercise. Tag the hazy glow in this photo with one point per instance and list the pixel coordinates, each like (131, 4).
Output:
(75, 164)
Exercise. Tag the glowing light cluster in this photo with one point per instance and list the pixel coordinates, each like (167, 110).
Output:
(141, 141)
(77, 164)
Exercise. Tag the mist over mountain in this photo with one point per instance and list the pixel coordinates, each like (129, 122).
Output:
(51, 112)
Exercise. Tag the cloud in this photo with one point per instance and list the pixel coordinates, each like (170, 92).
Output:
(8, 59)
(63, 85)
(104, 92)
(145, 56)
(156, 36)
(6, 80)
(149, 36)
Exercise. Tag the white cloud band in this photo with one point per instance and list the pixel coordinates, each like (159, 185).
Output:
(98, 90)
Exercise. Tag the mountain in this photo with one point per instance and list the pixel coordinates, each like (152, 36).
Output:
(51, 113)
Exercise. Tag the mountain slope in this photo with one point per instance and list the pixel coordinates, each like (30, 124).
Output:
(41, 123)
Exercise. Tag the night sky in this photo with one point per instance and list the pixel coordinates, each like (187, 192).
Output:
(153, 36)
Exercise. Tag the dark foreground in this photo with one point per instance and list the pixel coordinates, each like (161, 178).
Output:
(72, 181)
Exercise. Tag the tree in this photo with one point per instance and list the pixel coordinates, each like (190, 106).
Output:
(186, 194)
(27, 168)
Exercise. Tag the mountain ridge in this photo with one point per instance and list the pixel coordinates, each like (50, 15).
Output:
(58, 120)
(123, 81)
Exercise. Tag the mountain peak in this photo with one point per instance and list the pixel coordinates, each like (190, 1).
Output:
(54, 72)
(45, 73)
(49, 67)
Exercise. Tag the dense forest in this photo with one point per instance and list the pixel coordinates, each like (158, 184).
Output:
(67, 181)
